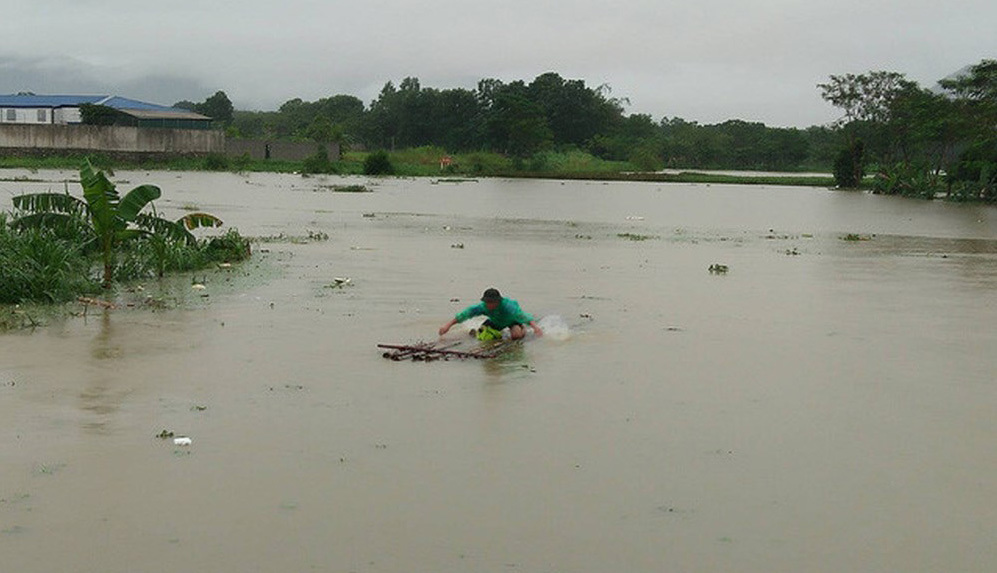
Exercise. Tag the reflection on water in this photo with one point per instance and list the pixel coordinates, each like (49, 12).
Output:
(825, 405)
(99, 400)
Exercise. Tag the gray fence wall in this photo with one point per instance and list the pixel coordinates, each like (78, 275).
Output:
(111, 139)
(282, 150)
(137, 141)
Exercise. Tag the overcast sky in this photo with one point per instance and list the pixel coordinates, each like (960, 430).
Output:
(705, 60)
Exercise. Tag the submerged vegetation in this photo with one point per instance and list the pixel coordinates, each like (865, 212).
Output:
(55, 247)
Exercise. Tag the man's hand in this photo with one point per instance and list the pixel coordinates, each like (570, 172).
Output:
(537, 331)
(446, 327)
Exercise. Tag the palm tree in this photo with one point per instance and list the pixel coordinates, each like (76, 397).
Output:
(107, 219)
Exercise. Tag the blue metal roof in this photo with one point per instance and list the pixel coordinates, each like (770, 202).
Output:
(18, 100)
(117, 102)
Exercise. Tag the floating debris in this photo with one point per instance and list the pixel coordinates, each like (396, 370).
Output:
(718, 269)
(340, 282)
(165, 434)
(430, 351)
(457, 246)
(182, 441)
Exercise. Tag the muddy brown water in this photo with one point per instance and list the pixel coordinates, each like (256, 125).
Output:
(829, 410)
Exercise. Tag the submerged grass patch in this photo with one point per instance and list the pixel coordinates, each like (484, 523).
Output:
(345, 188)
(636, 237)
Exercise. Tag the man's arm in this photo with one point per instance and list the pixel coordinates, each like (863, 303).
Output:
(524, 317)
(447, 326)
(473, 310)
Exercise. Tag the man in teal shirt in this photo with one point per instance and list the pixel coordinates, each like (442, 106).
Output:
(501, 312)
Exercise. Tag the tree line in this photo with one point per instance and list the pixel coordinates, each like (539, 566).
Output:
(912, 140)
(520, 120)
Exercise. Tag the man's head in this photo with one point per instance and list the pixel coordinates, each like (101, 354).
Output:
(491, 298)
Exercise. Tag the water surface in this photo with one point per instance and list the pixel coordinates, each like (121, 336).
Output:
(826, 405)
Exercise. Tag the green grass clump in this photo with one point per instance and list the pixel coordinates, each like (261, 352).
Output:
(38, 265)
(45, 266)
(635, 236)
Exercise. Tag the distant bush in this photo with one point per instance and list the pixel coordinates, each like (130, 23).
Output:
(645, 159)
(216, 162)
(378, 163)
(319, 162)
(243, 162)
(849, 166)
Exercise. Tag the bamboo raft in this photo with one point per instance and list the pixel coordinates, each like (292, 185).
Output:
(430, 351)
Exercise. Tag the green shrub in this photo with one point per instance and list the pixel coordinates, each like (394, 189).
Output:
(228, 248)
(319, 162)
(243, 162)
(849, 166)
(646, 159)
(378, 163)
(216, 162)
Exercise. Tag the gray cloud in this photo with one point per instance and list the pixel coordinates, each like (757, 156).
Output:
(708, 61)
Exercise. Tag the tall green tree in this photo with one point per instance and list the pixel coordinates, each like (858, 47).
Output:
(218, 107)
(974, 173)
(866, 100)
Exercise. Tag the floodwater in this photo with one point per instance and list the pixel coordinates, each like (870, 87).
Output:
(826, 405)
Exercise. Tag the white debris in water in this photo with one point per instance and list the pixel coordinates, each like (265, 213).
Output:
(198, 286)
(182, 441)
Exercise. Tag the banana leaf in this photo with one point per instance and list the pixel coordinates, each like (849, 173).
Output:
(165, 229)
(197, 220)
(136, 200)
(102, 198)
(49, 203)
(129, 234)
(44, 221)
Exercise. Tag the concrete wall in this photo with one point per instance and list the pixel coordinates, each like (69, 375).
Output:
(22, 139)
(280, 150)
(110, 138)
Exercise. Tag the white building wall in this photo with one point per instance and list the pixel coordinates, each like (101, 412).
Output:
(31, 115)
(67, 115)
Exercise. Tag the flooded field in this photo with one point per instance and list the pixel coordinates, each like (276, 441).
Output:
(824, 405)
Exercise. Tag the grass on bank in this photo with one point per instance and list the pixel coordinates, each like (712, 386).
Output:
(425, 162)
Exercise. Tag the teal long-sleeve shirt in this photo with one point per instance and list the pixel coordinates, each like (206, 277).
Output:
(505, 314)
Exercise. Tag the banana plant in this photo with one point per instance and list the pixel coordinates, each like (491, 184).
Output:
(108, 220)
